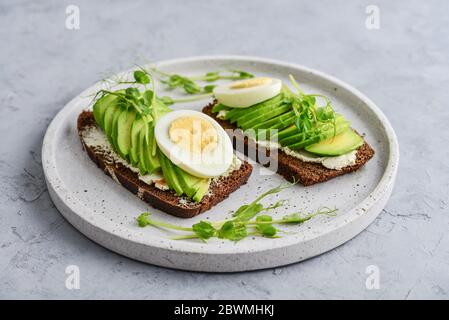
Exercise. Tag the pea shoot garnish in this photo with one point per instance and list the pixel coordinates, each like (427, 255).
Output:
(190, 84)
(312, 120)
(245, 222)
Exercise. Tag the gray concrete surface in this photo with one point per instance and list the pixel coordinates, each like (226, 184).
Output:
(403, 67)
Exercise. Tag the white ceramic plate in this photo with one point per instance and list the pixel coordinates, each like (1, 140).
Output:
(106, 212)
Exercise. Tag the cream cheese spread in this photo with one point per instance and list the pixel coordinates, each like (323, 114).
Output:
(336, 163)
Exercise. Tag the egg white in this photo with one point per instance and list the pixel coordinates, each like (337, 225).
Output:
(246, 97)
(205, 165)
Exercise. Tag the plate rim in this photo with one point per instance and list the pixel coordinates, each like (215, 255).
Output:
(382, 189)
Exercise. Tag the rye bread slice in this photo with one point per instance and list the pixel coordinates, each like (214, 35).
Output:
(291, 168)
(164, 200)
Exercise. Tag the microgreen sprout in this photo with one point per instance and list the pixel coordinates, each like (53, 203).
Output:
(169, 101)
(145, 103)
(172, 81)
(245, 222)
(190, 84)
(142, 102)
(312, 120)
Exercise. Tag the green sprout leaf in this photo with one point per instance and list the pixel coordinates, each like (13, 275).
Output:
(233, 231)
(132, 93)
(148, 97)
(143, 220)
(141, 77)
(243, 74)
(311, 117)
(204, 230)
(209, 88)
(191, 87)
(212, 76)
(167, 100)
(241, 225)
(296, 218)
(190, 84)
(266, 230)
(247, 212)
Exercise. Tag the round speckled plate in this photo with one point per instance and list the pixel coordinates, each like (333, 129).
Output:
(106, 212)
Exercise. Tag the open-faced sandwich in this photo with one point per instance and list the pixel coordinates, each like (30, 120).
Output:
(181, 162)
(309, 142)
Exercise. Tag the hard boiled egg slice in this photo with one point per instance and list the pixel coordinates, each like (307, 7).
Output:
(195, 142)
(245, 93)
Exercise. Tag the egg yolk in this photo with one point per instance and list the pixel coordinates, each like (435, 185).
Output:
(251, 83)
(193, 134)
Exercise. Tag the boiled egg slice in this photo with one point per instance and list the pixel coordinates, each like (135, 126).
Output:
(245, 93)
(195, 142)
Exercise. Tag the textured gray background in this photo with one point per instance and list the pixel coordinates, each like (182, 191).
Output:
(402, 67)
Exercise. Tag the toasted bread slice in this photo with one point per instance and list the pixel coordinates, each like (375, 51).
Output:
(165, 200)
(291, 168)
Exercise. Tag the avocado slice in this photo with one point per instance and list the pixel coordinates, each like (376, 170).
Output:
(100, 106)
(273, 130)
(202, 189)
(165, 169)
(323, 136)
(147, 162)
(236, 113)
(188, 182)
(264, 116)
(124, 124)
(183, 182)
(170, 175)
(287, 132)
(251, 114)
(134, 148)
(152, 162)
(286, 138)
(108, 119)
(282, 119)
(273, 126)
(114, 131)
(141, 147)
(342, 143)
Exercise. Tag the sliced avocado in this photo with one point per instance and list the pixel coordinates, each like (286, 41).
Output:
(282, 125)
(174, 179)
(258, 118)
(145, 149)
(236, 113)
(142, 163)
(108, 117)
(124, 124)
(342, 143)
(328, 132)
(202, 189)
(169, 174)
(135, 130)
(100, 107)
(152, 162)
(260, 111)
(278, 120)
(165, 170)
(114, 131)
(274, 126)
(296, 136)
(287, 132)
(188, 182)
